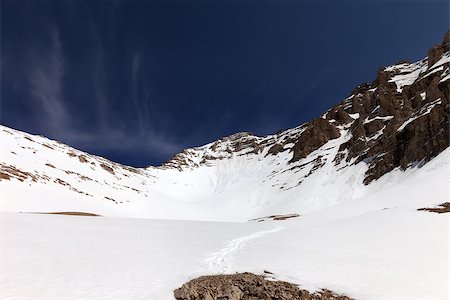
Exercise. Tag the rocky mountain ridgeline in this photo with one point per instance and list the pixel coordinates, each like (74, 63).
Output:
(398, 120)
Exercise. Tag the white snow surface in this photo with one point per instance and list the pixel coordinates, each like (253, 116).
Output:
(236, 188)
(375, 247)
(445, 59)
(408, 73)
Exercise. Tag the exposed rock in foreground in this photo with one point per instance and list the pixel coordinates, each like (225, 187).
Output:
(247, 286)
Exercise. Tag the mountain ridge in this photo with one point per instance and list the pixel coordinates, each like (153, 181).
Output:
(391, 102)
(396, 123)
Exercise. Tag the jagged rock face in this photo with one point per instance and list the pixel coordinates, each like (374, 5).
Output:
(246, 286)
(412, 119)
(436, 52)
(317, 133)
(398, 120)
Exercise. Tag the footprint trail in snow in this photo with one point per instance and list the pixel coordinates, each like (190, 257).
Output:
(220, 261)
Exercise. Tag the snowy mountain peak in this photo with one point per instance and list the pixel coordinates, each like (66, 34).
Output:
(396, 123)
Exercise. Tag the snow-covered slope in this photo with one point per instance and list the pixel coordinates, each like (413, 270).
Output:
(236, 189)
(59, 178)
(376, 247)
(398, 122)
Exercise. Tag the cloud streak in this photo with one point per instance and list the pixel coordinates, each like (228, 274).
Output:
(135, 65)
(123, 141)
(98, 75)
(45, 77)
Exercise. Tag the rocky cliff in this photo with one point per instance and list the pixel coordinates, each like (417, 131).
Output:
(398, 120)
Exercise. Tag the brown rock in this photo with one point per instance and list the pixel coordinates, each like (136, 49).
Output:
(373, 126)
(247, 286)
(107, 168)
(275, 149)
(82, 159)
(435, 53)
(425, 135)
(319, 132)
(441, 209)
(340, 115)
(4, 176)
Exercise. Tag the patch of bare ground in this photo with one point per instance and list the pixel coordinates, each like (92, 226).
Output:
(107, 168)
(276, 217)
(7, 172)
(64, 183)
(48, 146)
(4, 176)
(82, 159)
(111, 199)
(132, 170)
(440, 209)
(69, 213)
(247, 286)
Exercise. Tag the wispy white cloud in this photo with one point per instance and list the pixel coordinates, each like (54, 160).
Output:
(45, 77)
(135, 93)
(98, 75)
(118, 140)
(109, 133)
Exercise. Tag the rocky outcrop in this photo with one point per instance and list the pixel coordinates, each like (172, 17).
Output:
(247, 286)
(401, 126)
(318, 132)
(107, 168)
(398, 120)
(440, 209)
(9, 171)
(435, 53)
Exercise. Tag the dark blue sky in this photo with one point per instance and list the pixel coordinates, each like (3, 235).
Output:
(137, 81)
